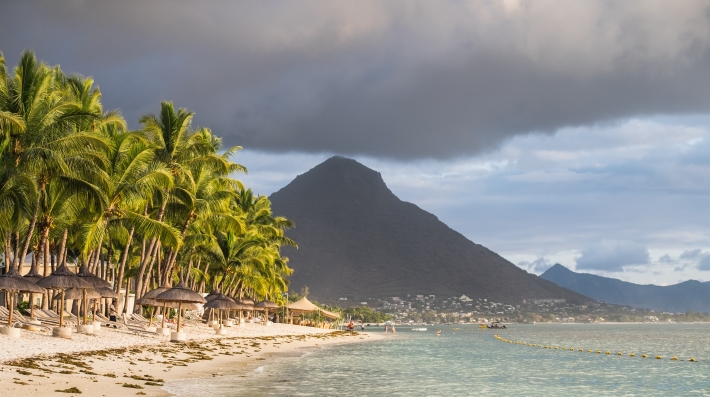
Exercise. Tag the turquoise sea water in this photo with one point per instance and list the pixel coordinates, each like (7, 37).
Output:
(469, 362)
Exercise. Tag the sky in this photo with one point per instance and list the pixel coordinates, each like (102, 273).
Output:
(549, 131)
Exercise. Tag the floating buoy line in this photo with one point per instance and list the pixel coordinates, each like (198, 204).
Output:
(607, 352)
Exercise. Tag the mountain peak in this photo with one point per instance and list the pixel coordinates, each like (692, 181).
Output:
(556, 268)
(339, 175)
(690, 294)
(340, 164)
(358, 240)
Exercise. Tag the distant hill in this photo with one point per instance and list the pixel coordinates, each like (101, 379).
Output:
(358, 240)
(689, 295)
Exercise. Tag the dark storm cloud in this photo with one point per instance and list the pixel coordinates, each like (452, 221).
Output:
(387, 79)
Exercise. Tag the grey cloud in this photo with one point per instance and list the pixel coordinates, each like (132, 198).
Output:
(539, 265)
(386, 79)
(691, 254)
(704, 263)
(665, 210)
(613, 256)
(666, 259)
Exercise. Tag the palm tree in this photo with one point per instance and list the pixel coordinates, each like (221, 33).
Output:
(207, 200)
(51, 116)
(132, 175)
(184, 151)
(76, 185)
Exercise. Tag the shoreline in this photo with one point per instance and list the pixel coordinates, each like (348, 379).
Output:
(144, 369)
(246, 367)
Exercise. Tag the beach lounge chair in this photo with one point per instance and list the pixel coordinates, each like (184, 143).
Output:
(102, 318)
(49, 317)
(48, 313)
(136, 328)
(139, 317)
(45, 319)
(18, 320)
(136, 320)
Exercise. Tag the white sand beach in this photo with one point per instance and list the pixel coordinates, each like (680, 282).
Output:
(113, 362)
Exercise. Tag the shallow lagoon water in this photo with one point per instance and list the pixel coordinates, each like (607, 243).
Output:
(467, 361)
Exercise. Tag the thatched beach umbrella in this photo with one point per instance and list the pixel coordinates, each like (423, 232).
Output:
(62, 278)
(148, 302)
(241, 306)
(214, 294)
(209, 298)
(229, 298)
(246, 304)
(180, 294)
(169, 305)
(13, 282)
(220, 303)
(93, 280)
(33, 276)
(148, 299)
(265, 305)
(155, 292)
(106, 292)
(237, 304)
(183, 306)
(76, 294)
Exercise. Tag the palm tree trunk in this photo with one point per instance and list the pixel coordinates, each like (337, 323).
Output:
(94, 264)
(152, 250)
(35, 260)
(7, 253)
(193, 283)
(202, 283)
(94, 258)
(47, 258)
(159, 270)
(232, 285)
(173, 257)
(122, 269)
(128, 291)
(107, 265)
(148, 262)
(62, 249)
(16, 248)
(187, 273)
(44, 232)
(145, 282)
(52, 256)
(30, 231)
(46, 296)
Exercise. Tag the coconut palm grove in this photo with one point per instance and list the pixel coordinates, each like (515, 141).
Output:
(139, 208)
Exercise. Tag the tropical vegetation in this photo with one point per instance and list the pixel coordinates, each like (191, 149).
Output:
(366, 315)
(140, 208)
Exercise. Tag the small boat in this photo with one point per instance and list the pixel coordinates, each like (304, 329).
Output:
(496, 325)
(418, 329)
